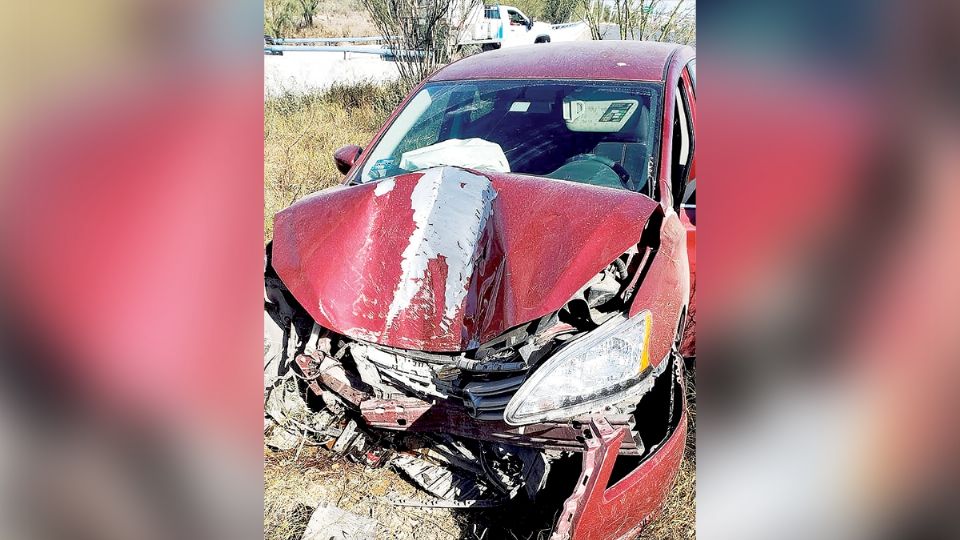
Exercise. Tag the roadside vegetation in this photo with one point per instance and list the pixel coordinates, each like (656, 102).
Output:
(316, 18)
(300, 134)
(654, 20)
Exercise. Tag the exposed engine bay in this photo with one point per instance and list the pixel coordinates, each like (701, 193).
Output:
(439, 418)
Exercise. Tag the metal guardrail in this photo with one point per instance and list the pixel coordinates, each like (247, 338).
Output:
(385, 54)
(277, 46)
(566, 25)
(330, 40)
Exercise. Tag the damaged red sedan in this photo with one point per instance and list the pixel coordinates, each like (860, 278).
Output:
(503, 283)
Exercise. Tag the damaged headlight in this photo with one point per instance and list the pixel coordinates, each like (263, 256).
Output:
(588, 374)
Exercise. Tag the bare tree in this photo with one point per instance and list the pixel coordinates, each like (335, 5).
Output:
(681, 25)
(423, 34)
(655, 20)
(642, 19)
(625, 13)
(595, 13)
(671, 23)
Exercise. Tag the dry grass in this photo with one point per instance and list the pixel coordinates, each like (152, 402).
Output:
(287, 498)
(336, 18)
(296, 483)
(300, 134)
(339, 18)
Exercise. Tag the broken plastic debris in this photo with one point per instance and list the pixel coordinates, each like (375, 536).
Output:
(281, 439)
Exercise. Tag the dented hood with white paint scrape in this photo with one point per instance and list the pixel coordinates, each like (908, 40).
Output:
(444, 259)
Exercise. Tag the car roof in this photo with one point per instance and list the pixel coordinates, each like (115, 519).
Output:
(602, 60)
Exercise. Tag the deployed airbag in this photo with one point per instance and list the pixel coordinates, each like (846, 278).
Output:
(467, 153)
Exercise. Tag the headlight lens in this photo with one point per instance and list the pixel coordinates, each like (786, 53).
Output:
(587, 374)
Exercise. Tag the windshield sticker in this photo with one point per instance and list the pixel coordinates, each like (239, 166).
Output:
(616, 111)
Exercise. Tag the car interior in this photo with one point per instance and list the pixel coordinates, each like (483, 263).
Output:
(529, 125)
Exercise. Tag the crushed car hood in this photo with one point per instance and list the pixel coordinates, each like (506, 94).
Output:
(444, 259)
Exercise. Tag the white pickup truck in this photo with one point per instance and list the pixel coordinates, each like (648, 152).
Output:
(492, 27)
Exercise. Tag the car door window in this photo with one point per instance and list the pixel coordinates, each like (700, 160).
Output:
(689, 198)
(682, 143)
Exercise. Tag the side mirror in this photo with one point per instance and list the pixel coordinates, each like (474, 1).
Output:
(346, 156)
(530, 24)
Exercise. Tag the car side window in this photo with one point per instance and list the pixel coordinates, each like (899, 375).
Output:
(689, 198)
(516, 18)
(682, 143)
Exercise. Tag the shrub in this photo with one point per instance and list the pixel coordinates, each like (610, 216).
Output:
(278, 17)
(307, 10)
(560, 11)
(423, 33)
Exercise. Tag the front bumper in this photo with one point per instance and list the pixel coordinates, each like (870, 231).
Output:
(595, 510)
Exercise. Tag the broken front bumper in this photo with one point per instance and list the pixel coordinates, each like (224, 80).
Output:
(598, 510)
(604, 505)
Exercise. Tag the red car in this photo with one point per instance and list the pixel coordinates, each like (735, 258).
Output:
(503, 284)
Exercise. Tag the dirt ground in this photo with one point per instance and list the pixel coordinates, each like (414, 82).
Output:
(297, 481)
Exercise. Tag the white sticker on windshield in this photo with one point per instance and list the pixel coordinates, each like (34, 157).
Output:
(598, 116)
(520, 106)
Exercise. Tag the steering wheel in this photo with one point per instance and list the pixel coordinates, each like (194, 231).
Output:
(613, 165)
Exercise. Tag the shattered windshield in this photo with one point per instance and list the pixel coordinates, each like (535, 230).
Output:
(600, 133)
